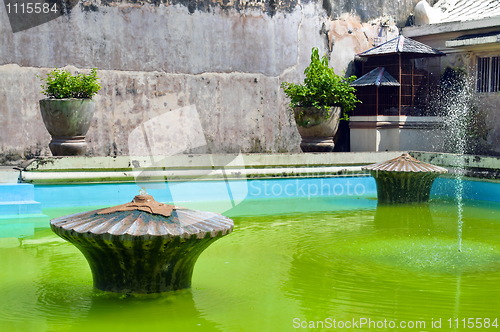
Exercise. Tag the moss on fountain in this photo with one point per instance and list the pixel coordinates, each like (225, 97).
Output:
(142, 246)
(404, 179)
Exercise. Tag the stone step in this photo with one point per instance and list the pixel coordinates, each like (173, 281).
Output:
(18, 200)
(21, 226)
(26, 207)
(17, 230)
(15, 192)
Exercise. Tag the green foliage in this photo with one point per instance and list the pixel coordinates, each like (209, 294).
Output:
(322, 88)
(60, 84)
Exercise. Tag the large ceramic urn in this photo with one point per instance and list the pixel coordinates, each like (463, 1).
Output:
(317, 128)
(67, 121)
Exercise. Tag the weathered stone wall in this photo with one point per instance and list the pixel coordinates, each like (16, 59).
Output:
(368, 10)
(227, 58)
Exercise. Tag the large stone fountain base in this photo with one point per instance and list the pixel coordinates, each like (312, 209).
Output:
(146, 264)
(404, 179)
(142, 246)
(403, 187)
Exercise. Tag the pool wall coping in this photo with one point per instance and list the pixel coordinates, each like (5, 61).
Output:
(199, 166)
(54, 170)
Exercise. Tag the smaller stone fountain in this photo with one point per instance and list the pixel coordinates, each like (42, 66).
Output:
(142, 246)
(404, 179)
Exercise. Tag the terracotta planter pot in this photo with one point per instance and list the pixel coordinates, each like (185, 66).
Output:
(317, 132)
(67, 121)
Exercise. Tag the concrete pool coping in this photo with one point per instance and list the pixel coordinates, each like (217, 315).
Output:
(53, 170)
(198, 167)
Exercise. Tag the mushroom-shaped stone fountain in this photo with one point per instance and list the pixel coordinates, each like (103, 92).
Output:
(404, 179)
(142, 246)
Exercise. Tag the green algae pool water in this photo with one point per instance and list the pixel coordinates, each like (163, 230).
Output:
(335, 263)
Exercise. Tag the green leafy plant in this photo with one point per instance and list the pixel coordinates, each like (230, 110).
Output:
(322, 88)
(60, 83)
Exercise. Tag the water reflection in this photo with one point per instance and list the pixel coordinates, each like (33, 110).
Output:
(46, 285)
(32, 291)
(344, 264)
(391, 263)
(408, 219)
(172, 311)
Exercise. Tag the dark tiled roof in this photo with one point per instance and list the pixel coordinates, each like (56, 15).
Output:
(401, 44)
(378, 77)
(468, 10)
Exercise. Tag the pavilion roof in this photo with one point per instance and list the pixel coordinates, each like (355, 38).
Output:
(402, 45)
(377, 77)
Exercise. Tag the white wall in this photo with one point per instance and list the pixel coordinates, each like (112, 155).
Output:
(397, 133)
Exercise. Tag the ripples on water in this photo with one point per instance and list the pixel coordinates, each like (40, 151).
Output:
(377, 263)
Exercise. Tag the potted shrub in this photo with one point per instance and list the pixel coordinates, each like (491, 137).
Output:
(319, 103)
(68, 109)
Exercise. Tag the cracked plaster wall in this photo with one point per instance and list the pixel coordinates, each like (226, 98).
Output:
(226, 58)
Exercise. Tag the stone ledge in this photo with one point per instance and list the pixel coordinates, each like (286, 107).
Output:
(57, 170)
(474, 166)
(9, 174)
(198, 167)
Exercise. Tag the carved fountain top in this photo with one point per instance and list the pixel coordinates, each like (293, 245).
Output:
(405, 163)
(144, 216)
(143, 202)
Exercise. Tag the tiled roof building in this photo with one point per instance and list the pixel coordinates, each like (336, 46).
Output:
(467, 10)
(468, 32)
